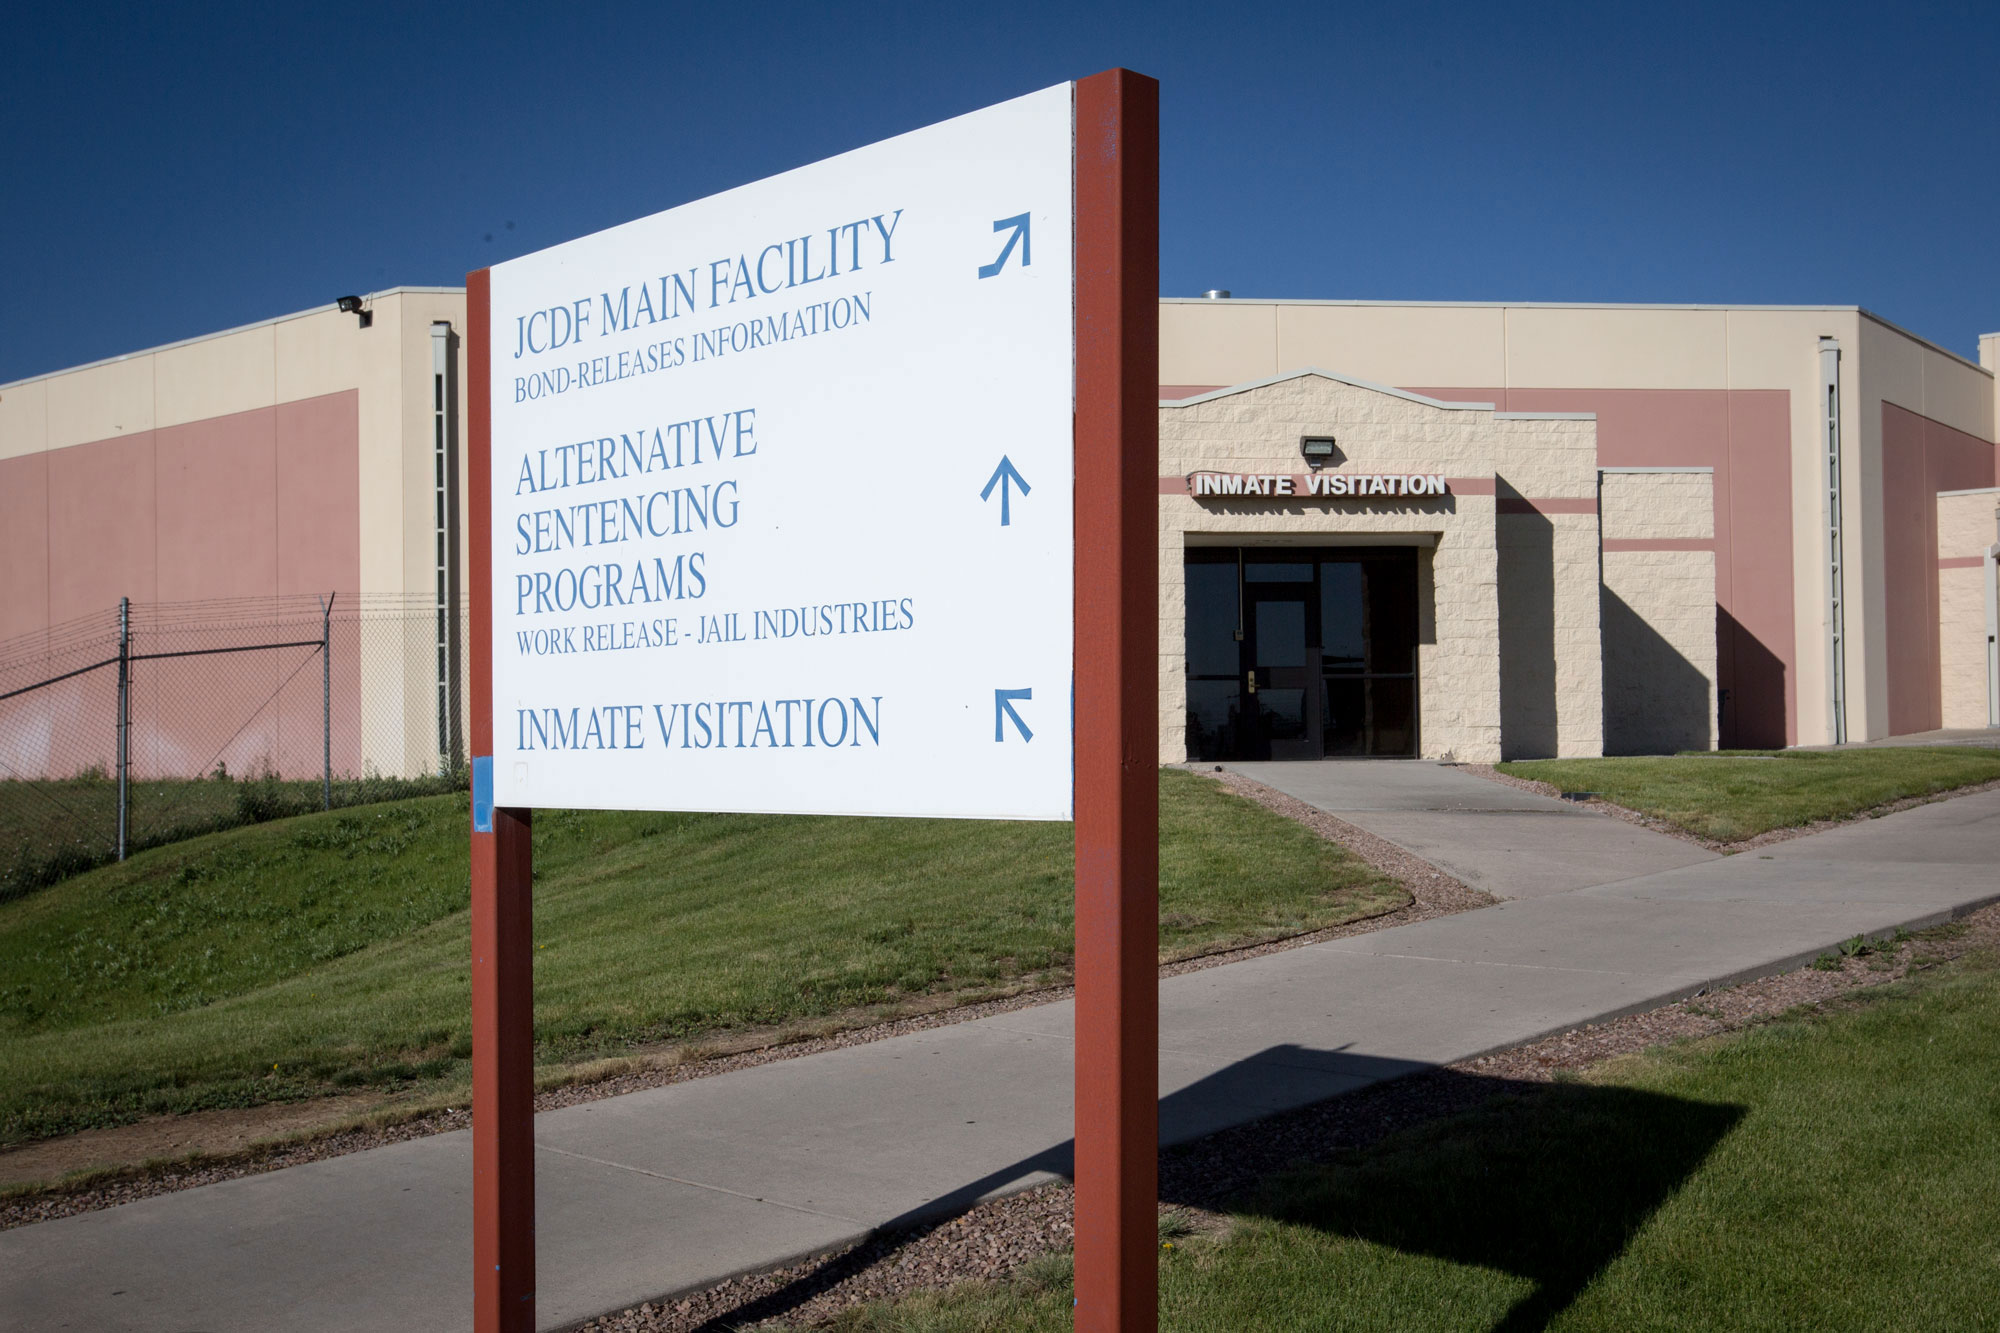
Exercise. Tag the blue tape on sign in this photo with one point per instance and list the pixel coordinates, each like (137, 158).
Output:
(482, 793)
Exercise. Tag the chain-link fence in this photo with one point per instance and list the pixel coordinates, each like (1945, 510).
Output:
(150, 722)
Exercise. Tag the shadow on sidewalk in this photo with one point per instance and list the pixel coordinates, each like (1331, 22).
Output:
(1548, 1182)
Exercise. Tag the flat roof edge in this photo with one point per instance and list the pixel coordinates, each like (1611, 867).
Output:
(1267, 381)
(1919, 339)
(1588, 305)
(224, 333)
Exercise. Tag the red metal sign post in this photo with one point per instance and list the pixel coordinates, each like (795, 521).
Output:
(1117, 701)
(503, 970)
(1116, 794)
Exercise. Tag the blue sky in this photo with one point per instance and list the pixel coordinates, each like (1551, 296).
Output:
(173, 170)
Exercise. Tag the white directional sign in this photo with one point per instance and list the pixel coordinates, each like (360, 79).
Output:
(781, 490)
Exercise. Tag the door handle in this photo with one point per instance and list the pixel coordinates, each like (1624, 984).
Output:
(1251, 682)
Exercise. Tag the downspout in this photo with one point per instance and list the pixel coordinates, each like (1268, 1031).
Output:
(1836, 610)
(1992, 572)
(444, 455)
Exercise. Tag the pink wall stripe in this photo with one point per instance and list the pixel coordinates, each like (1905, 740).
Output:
(1659, 544)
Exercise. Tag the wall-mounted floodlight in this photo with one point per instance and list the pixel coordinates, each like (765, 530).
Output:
(1318, 451)
(351, 305)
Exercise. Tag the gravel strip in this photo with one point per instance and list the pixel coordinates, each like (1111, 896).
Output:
(1198, 1180)
(1433, 893)
(1751, 844)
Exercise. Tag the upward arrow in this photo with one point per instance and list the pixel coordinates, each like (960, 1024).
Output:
(1019, 223)
(1002, 477)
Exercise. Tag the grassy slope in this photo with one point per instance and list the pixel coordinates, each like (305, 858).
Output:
(331, 950)
(1836, 1171)
(54, 829)
(1732, 795)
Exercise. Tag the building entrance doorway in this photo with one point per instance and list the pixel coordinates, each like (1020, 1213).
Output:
(1301, 652)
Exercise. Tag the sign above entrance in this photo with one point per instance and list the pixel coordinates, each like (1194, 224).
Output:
(1323, 485)
(782, 487)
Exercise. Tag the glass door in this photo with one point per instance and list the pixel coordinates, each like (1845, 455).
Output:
(1301, 653)
(1282, 670)
(1368, 626)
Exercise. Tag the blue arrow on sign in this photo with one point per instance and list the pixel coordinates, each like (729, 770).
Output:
(1003, 709)
(1020, 225)
(1002, 476)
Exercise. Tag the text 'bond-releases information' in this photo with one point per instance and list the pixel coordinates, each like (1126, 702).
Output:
(781, 490)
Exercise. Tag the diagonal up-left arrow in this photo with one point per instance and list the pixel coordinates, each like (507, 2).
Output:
(1003, 712)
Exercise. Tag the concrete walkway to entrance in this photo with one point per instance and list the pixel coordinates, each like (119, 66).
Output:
(1511, 843)
(667, 1189)
(1980, 738)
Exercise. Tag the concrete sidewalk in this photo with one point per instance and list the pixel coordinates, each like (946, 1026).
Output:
(1511, 843)
(1982, 738)
(675, 1187)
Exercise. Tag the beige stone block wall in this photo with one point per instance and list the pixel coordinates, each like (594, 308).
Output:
(1527, 636)
(1658, 613)
(1966, 528)
(1458, 647)
(1654, 506)
(1546, 455)
(1459, 576)
(1173, 636)
(1659, 651)
(1579, 638)
(1552, 667)
(1962, 647)
(1258, 430)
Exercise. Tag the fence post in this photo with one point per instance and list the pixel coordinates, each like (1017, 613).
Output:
(124, 717)
(326, 695)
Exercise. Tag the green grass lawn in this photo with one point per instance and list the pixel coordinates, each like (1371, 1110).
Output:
(1836, 1171)
(1736, 794)
(330, 951)
(50, 830)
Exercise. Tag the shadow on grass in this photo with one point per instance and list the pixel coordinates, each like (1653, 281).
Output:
(1548, 1182)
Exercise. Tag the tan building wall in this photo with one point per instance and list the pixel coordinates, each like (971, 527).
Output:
(1716, 359)
(1659, 611)
(1968, 528)
(1470, 556)
(175, 446)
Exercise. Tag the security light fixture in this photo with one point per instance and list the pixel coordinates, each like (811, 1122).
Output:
(1318, 450)
(351, 305)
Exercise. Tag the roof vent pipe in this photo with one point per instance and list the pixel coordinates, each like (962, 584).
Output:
(1215, 294)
